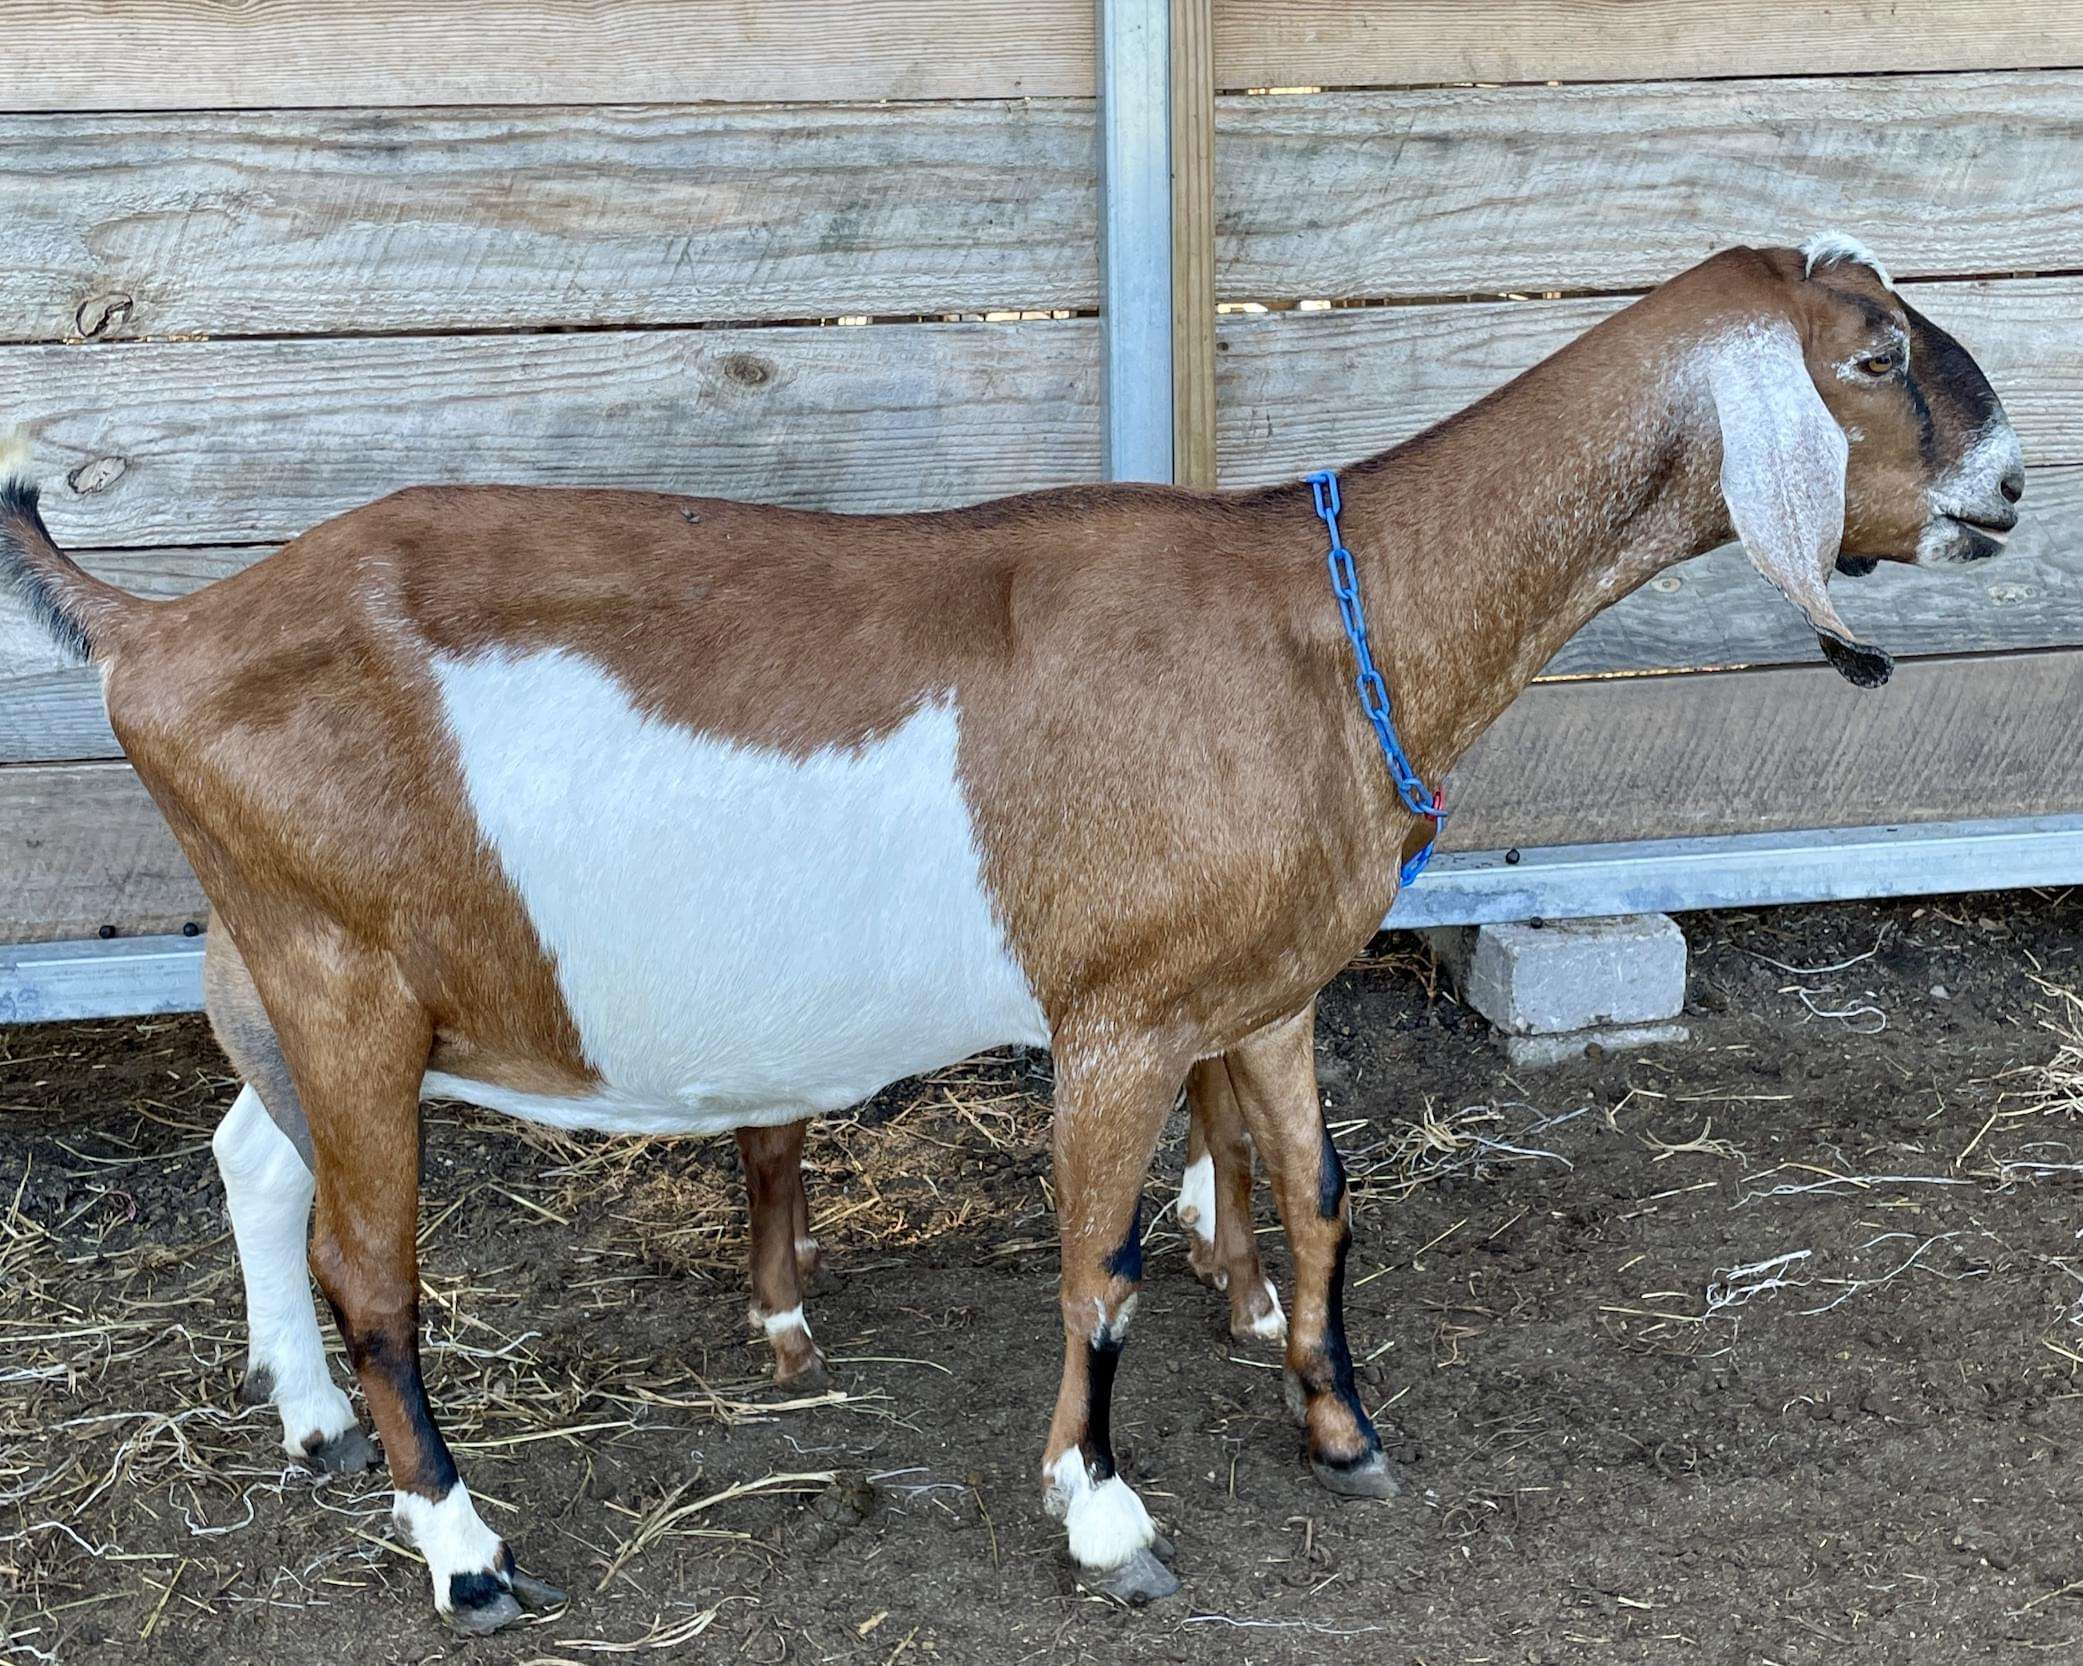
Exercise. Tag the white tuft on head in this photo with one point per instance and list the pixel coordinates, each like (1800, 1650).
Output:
(14, 454)
(1828, 247)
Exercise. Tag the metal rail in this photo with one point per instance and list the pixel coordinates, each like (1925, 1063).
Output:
(145, 975)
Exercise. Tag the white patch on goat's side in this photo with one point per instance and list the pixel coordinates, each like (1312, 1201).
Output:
(1197, 1197)
(1106, 1523)
(448, 1534)
(1828, 246)
(268, 1191)
(775, 1323)
(742, 937)
(1270, 1326)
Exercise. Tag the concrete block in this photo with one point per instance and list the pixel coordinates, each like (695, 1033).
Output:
(1568, 975)
(1539, 1052)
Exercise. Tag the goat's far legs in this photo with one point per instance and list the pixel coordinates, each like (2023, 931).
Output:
(1274, 1073)
(269, 1192)
(1106, 1127)
(784, 1255)
(268, 1185)
(1215, 1205)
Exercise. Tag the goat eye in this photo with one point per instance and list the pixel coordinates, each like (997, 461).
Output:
(1879, 364)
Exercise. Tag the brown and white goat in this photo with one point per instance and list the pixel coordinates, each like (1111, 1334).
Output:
(627, 811)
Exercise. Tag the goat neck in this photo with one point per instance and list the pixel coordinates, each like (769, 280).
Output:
(1485, 543)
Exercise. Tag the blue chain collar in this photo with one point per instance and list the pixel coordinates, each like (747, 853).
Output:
(1374, 693)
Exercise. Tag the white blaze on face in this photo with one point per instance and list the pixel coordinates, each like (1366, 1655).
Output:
(741, 936)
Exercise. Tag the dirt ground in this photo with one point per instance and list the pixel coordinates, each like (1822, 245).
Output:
(1764, 1348)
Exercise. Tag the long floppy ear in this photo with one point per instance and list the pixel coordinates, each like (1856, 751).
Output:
(1782, 475)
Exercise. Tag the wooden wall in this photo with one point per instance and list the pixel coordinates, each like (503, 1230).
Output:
(306, 251)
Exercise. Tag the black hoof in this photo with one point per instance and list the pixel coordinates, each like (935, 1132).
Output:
(257, 1387)
(814, 1378)
(532, 1593)
(485, 1616)
(1371, 1477)
(1141, 1579)
(1163, 1549)
(347, 1453)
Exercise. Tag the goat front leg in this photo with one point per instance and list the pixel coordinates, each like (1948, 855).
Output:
(1215, 1205)
(357, 1045)
(1274, 1072)
(1108, 1117)
(784, 1255)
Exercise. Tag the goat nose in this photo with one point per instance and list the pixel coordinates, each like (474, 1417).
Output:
(2013, 486)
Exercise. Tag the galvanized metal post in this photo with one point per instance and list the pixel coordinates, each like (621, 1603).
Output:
(1135, 236)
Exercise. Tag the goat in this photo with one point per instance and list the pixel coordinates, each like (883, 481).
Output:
(628, 811)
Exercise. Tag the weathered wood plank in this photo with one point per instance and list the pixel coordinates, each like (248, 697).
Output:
(330, 53)
(1488, 190)
(1716, 611)
(222, 442)
(1713, 612)
(216, 442)
(1306, 390)
(371, 221)
(81, 845)
(1332, 43)
(1193, 244)
(1753, 751)
(203, 54)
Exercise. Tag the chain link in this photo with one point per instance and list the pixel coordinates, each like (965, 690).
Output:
(1373, 691)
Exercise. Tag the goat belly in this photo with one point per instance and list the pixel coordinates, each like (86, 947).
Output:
(742, 935)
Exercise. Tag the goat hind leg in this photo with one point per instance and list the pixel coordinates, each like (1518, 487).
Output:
(357, 1045)
(781, 1243)
(1215, 1205)
(261, 1149)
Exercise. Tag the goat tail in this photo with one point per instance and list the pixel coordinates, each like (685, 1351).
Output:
(81, 613)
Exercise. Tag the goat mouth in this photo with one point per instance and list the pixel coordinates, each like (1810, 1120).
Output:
(1975, 540)
(1996, 532)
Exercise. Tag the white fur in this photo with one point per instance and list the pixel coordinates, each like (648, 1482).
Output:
(269, 1193)
(1783, 463)
(1973, 487)
(775, 1323)
(448, 1534)
(742, 937)
(1271, 1326)
(1829, 246)
(1197, 1198)
(1106, 1523)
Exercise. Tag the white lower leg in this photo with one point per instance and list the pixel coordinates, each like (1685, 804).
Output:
(1197, 1198)
(1271, 1325)
(449, 1534)
(1104, 1520)
(269, 1192)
